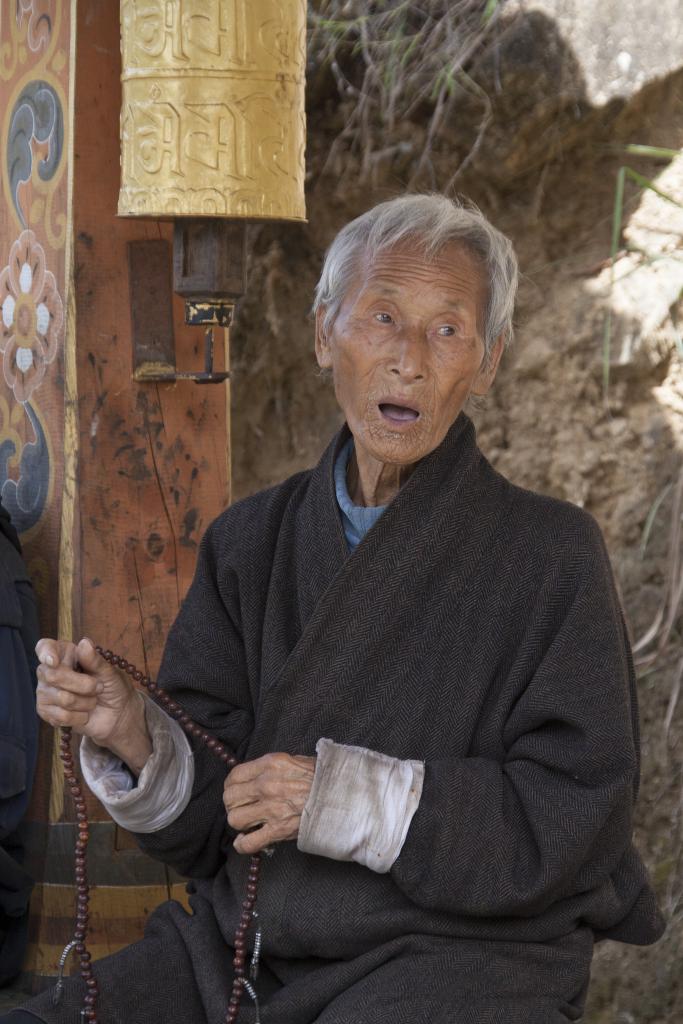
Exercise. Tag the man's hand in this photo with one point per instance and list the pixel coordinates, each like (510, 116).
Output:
(97, 700)
(268, 795)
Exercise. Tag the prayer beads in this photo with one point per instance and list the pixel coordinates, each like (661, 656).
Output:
(172, 708)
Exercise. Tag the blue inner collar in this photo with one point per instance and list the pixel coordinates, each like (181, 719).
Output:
(356, 519)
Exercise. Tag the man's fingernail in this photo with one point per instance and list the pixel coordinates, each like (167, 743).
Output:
(49, 660)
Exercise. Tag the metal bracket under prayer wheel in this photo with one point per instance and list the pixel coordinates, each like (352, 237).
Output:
(151, 302)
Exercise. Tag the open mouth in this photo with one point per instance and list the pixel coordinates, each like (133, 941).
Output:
(398, 413)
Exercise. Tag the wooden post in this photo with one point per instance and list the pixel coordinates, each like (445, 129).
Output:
(112, 482)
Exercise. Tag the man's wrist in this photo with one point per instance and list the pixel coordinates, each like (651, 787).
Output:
(164, 783)
(132, 742)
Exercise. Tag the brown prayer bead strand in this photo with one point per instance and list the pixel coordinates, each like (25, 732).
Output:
(82, 887)
(171, 707)
(239, 941)
(174, 709)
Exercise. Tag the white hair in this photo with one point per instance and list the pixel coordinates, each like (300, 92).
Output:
(430, 222)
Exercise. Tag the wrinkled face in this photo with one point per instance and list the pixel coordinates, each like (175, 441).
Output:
(406, 350)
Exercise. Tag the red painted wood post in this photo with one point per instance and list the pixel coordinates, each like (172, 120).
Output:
(111, 482)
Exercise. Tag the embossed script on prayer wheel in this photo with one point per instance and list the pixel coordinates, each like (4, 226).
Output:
(212, 116)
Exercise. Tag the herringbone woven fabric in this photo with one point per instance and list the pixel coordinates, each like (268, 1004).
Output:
(476, 627)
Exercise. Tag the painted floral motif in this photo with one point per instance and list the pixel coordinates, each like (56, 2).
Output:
(32, 316)
(39, 21)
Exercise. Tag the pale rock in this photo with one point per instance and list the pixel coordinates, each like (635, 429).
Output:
(643, 287)
(618, 47)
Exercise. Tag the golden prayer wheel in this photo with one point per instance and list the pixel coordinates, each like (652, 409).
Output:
(212, 116)
(212, 134)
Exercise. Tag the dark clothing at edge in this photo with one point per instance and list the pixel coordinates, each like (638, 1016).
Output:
(19, 634)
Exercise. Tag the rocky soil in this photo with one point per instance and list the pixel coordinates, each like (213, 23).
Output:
(545, 173)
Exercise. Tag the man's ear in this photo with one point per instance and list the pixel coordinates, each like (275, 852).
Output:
(489, 368)
(322, 345)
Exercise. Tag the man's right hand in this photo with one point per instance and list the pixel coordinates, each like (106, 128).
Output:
(97, 700)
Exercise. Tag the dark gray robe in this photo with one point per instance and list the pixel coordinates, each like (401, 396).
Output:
(476, 627)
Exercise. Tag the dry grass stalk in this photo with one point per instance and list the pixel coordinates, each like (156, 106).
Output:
(651, 648)
(654, 642)
(391, 59)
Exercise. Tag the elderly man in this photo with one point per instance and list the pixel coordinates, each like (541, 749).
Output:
(425, 673)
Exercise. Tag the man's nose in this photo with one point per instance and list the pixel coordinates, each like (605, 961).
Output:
(408, 357)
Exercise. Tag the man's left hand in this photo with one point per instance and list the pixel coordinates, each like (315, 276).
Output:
(267, 795)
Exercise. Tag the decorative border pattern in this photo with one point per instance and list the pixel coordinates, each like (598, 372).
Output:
(35, 41)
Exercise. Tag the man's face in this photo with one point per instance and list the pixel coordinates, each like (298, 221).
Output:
(406, 350)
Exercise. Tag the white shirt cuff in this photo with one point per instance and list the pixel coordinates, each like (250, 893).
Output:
(360, 805)
(165, 783)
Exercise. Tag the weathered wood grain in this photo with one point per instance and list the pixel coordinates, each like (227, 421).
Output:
(116, 913)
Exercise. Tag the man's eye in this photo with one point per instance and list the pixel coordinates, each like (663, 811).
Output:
(446, 330)
(383, 318)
